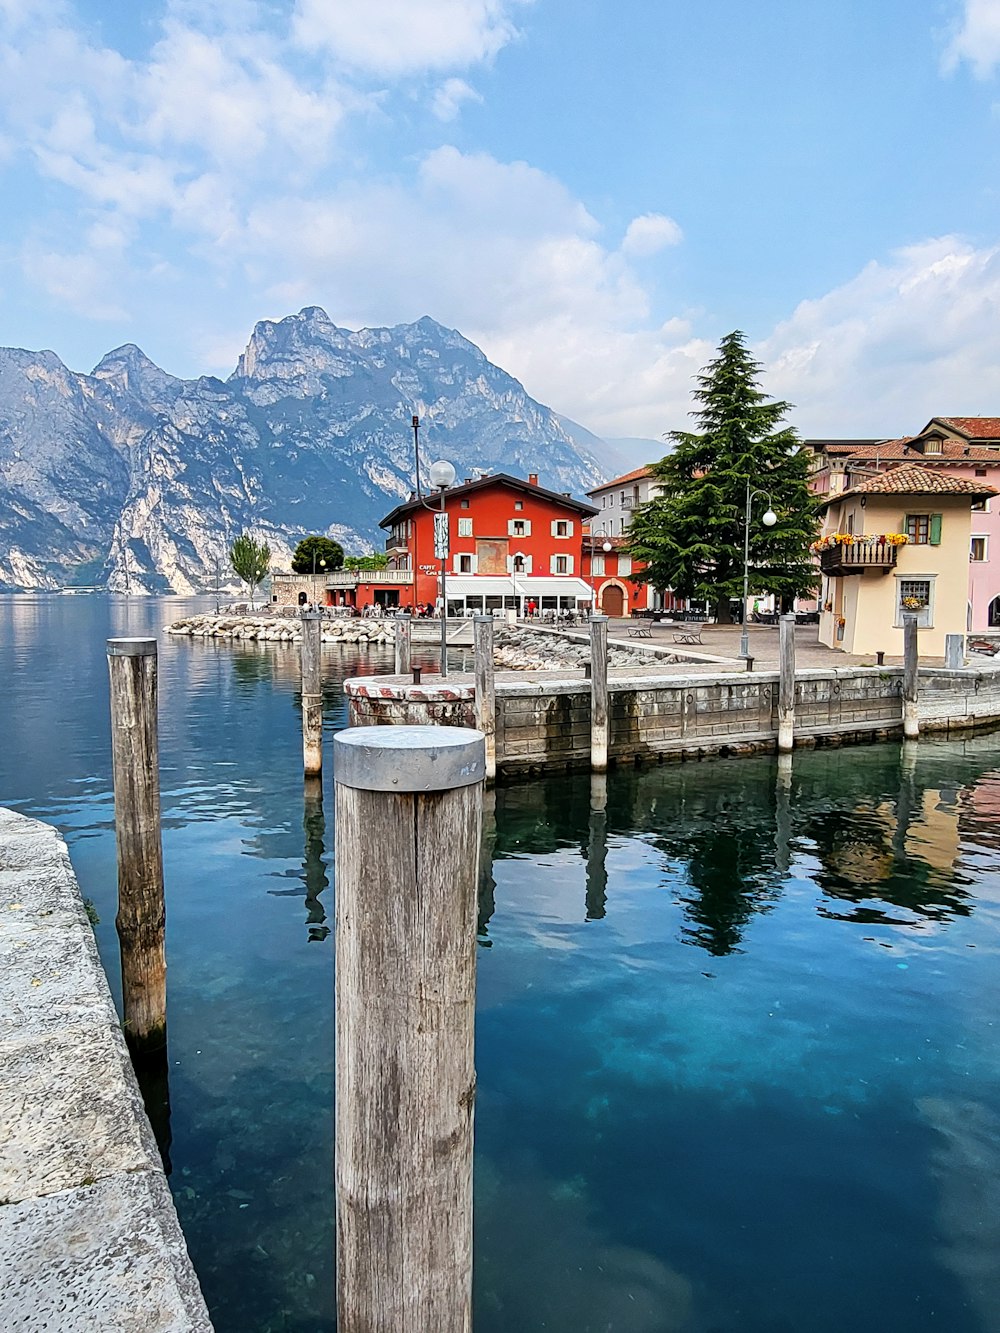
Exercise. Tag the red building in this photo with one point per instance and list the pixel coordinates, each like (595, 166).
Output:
(513, 544)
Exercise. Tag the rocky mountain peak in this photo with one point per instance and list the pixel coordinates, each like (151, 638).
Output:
(128, 369)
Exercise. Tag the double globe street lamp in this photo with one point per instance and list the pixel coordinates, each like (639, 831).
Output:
(768, 518)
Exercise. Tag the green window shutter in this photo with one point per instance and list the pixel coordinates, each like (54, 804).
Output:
(904, 525)
(935, 530)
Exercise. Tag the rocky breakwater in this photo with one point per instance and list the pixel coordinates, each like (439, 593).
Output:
(516, 648)
(284, 629)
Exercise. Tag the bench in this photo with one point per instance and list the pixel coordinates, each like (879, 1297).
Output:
(689, 633)
(639, 631)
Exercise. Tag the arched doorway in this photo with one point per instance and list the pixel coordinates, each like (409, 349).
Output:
(612, 600)
(994, 613)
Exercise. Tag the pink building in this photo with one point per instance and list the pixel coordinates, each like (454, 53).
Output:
(967, 447)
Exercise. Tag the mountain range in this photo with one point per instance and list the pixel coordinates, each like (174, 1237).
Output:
(133, 479)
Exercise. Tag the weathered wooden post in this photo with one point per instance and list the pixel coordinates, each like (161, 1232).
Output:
(486, 695)
(141, 915)
(598, 692)
(408, 814)
(911, 661)
(954, 651)
(786, 684)
(312, 694)
(402, 625)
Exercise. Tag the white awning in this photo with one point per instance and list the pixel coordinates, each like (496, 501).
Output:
(479, 587)
(555, 587)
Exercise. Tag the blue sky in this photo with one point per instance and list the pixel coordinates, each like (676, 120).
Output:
(593, 191)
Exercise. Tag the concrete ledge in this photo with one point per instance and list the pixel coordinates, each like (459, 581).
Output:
(89, 1238)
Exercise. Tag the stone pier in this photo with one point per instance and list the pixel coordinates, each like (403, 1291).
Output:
(89, 1239)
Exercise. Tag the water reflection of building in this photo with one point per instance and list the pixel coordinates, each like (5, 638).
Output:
(888, 847)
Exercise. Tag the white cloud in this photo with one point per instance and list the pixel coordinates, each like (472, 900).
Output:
(649, 234)
(906, 339)
(395, 37)
(976, 38)
(448, 98)
(83, 282)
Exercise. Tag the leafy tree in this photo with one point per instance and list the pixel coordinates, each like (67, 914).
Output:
(692, 536)
(313, 553)
(250, 559)
(373, 560)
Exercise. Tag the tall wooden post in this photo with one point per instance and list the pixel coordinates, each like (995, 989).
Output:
(598, 692)
(954, 651)
(312, 694)
(408, 815)
(402, 625)
(141, 910)
(486, 695)
(786, 684)
(911, 660)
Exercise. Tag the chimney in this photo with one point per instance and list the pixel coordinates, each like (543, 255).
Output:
(532, 478)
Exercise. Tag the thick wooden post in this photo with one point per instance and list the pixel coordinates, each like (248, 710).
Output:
(486, 695)
(408, 814)
(141, 910)
(911, 660)
(786, 684)
(402, 626)
(312, 694)
(598, 692)
(954, 651)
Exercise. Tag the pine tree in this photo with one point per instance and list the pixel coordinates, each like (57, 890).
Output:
(691, 538)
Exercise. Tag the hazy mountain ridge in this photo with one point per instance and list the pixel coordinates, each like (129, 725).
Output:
(132, 475)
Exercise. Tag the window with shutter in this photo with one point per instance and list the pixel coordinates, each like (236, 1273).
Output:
(918, 528)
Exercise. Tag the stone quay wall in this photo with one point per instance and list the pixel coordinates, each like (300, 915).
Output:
(89, 1238)
(545, 724)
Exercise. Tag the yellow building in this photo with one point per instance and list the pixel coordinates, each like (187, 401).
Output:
(897, 544)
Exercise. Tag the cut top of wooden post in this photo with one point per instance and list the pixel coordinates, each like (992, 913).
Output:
(409, 759)
(131, 647)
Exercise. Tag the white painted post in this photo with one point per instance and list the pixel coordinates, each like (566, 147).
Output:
(403, 624)
(312, 694)
(141, 917)
(599, 692)
(911, 661)
(486, 702)
(408, 817)
(786, 684)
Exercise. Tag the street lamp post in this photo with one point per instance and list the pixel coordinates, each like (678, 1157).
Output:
(442, 476)
(768, 518)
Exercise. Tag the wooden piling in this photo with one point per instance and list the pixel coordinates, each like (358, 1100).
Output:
(598, 693)
(786, 684)
(911, 661)
(141, 917)
(486, 699)
(312, 694)
(402, 625)
(954, 651)
(408, 815)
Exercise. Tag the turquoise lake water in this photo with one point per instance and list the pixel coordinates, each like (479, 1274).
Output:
(737, 1035)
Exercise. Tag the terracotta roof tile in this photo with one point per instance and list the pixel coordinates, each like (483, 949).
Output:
(976, 428)
(952, 451)
(636, 475)
(909, 479)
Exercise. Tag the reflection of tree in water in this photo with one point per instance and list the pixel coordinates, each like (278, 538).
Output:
(252, 668)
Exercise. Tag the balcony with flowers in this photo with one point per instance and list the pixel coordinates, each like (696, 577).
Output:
(843, 553)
